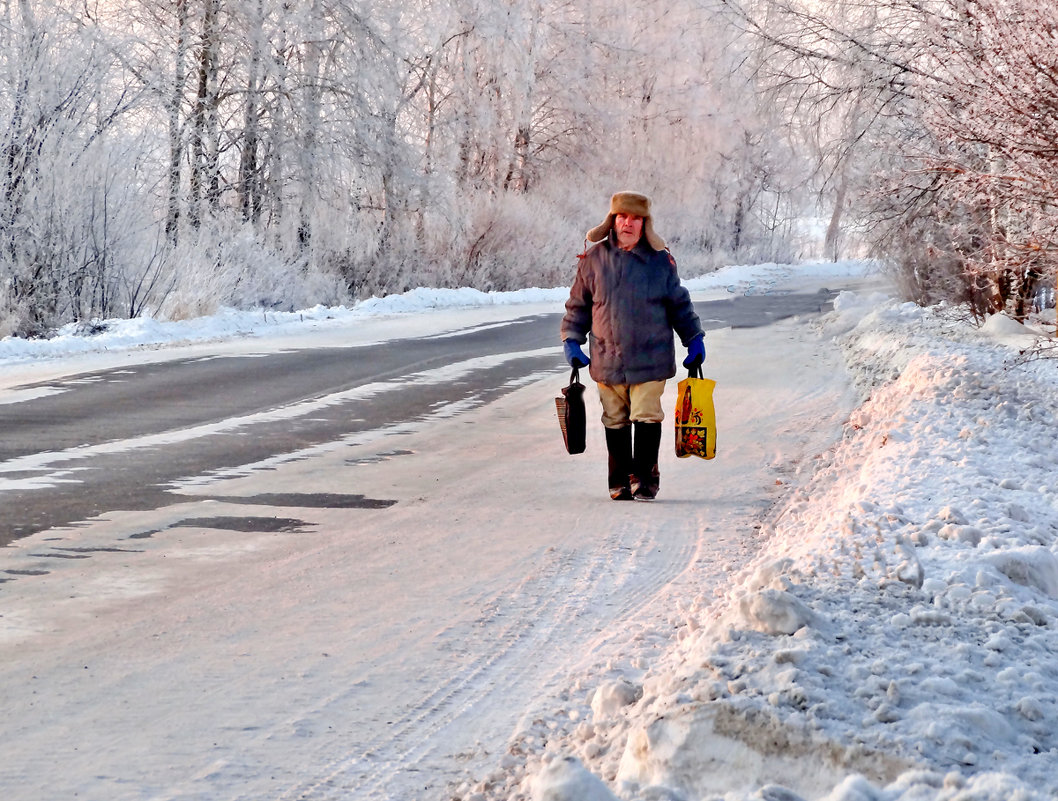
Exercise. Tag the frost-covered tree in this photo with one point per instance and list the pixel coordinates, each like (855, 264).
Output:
(172, 155)
(945, 113)
(67, 170)
(993, 114)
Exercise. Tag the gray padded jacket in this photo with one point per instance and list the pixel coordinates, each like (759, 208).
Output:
(630, 302)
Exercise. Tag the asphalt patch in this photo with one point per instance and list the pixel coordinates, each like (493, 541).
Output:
(268, 525)
(308, 500)
(100, 550)
(385, 456)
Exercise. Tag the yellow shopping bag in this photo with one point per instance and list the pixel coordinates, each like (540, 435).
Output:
(695, 416)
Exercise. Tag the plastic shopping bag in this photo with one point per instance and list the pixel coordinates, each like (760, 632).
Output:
(695, 416)
(571, 414)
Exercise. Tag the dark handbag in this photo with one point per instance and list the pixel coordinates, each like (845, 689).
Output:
(571, 416)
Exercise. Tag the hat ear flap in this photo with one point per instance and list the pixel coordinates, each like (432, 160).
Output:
(600, 232)
(652, 238)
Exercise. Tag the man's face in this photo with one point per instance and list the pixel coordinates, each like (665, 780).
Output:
(629, 228)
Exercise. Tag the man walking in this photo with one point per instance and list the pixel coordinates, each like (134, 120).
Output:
(628, 298)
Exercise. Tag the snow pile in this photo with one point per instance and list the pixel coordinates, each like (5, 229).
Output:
(567, 780)
(897, 637)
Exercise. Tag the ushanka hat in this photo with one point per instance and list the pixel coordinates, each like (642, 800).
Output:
(628, 203)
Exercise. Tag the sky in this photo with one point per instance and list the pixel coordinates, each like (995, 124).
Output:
(856, 601)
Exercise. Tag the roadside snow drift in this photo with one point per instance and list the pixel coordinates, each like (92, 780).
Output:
(897, 636)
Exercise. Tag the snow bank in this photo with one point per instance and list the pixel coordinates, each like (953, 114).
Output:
(897, 637)
(142, 332)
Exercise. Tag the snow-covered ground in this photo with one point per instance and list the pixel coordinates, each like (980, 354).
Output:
(856, 601)
(896, 636)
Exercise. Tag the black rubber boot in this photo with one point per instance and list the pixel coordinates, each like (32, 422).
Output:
(647, 477)
(619, 450)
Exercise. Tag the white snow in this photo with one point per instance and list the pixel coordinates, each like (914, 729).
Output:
(856, 601)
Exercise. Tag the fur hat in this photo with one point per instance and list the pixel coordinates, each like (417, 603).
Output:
(628, 203)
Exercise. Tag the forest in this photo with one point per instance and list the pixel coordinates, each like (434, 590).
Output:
(169, 158)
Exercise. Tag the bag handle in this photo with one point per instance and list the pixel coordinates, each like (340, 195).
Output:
(695, 370)
(574, 377)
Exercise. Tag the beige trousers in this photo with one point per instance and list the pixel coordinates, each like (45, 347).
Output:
(631, 403)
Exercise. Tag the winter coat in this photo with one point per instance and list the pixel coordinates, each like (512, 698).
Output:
(630, 302)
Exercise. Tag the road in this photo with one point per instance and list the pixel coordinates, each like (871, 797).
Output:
(112, 440)
(399, 612)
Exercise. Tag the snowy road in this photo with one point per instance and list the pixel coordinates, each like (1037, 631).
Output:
(127, 433)
(90, 443)
(295, 651)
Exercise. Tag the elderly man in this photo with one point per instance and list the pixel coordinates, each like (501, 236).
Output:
(628, 297)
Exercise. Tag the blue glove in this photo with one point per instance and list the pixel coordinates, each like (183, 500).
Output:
(695, 352)
(574, 355)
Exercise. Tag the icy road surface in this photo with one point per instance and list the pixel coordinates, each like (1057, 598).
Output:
(221, 650)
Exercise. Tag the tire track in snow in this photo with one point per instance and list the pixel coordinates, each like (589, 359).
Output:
(537, 617)
(408, 737)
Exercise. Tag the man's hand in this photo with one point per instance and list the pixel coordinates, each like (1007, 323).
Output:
(574, 355)
(695, 353)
